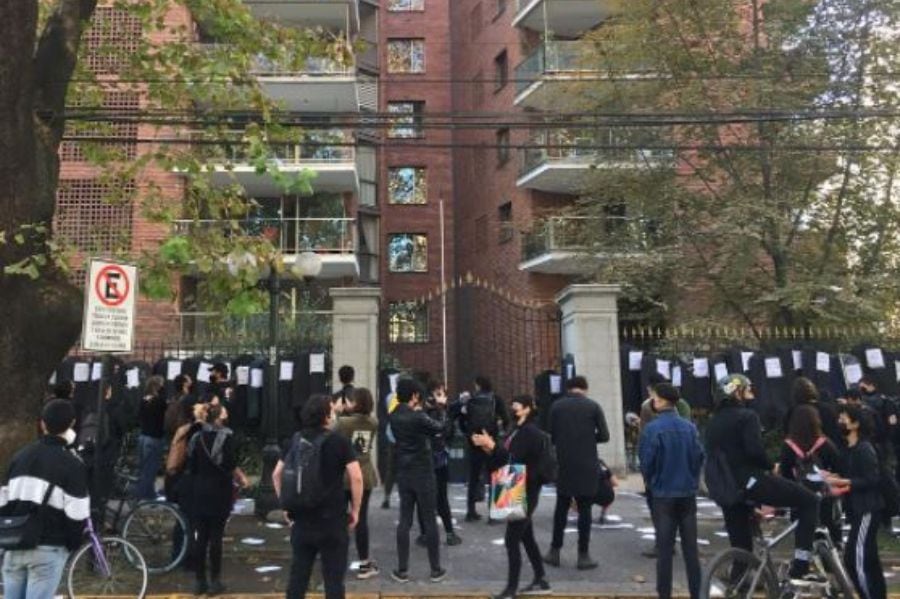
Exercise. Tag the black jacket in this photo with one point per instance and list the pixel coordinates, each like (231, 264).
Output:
(32, 470)
(211, 467)
(500, 413)
(736, 431)
(861, 467)
(524, 445)
(413, 431)
(577, 424)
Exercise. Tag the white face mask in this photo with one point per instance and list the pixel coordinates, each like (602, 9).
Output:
(69, 436)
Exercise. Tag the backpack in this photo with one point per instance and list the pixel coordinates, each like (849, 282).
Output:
(302, 487)
(481, 414)
(720, 483)
(806, 470)
(548, 467)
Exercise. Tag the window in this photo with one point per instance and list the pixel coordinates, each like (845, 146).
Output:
(504, 216)
(475, 22)
(406, 56)
(502, 147)
(407, 322)
(408, 252)
(407, 185)
(409, 122)
(405, 5)
(501, 71)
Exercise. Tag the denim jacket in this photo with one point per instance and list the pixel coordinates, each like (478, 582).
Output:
(671, 456)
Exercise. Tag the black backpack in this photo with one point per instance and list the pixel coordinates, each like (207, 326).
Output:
(548, 467)
(302, 487)
(720, 483)
(481, 414)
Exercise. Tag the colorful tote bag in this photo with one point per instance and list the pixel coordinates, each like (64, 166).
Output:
(508, 498)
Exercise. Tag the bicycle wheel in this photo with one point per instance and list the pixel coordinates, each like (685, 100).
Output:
(735, 573)
(110, 567)
(839, 584)
(160, 531)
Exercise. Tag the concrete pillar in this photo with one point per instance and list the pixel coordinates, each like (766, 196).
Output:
(590, 332)
(354, 333)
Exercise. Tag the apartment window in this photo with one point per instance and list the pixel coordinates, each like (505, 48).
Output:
(475, 22)
(406, 55)
(407, 185)
(501, 71)
(408, 122)
(407, 322)
(502, 147)
(504, 217)
(408, 252)
(406, 5)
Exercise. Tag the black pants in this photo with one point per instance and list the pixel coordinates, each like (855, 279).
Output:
(387, 475)
(671, 516)
(777, 492)
(332, 545)
(477, 464)
(861, 556)
(442, 476)
(361, 534)
(210, 531)
(521, 533)
(421, 497)
(561, 514)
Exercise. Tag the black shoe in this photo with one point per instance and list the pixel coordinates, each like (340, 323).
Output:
(438, 575)
(216, 588)
(200, 587)
(401, 576)
(538, 587)
(552, 557)
(585, 562)
(506, 593)
(421, 541)
(453, 539)
(473, 517)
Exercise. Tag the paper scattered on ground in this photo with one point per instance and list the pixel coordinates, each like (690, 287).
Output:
(646, 530)
(613, 518)
(274, 525)
(724, 535)
(497, 542)
(355, 565)
(267, 569)
(703, 541)
(705, 504)
(253, 541)
(616, 526)
(648, 537)
(569, 531)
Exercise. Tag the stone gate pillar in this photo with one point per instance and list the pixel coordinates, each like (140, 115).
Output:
(354, 333)
(590, 332)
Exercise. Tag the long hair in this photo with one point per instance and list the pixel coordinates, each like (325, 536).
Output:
(805, 426)
(804, 391)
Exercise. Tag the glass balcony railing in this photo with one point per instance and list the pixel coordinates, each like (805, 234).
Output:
(587, 234)
(602, 144)
(552, 58)
(312, 65)
(289, 235)
(315, 147)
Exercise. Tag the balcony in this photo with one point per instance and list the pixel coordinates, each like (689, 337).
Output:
(566, 18)
(335, 15)
(333, 239)
(319, 85)
(561, 161)
(541, 78)
(576, 245)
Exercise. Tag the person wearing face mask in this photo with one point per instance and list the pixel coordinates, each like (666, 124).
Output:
(885, 423)
(524, 445)
(736, 432)
(44, 472)
(860, 484)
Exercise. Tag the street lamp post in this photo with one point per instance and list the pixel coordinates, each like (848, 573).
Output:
(307, 267)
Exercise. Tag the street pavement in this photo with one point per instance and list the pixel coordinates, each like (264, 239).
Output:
(257, 555)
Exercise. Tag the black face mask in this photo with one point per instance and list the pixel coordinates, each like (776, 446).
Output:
(845, 430)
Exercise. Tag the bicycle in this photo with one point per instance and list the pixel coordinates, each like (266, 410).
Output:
(106, 566)
(737, 573)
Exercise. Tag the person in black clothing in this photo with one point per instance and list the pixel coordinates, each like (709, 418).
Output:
(180, 408)
(735, 431)
(577, 424)
(525, 445)
(151, 416)
(804, 392)
(482, 412)
(324, 529)
(860, 482)
(344, 395)
(886, 425)
(413, 431)
(219, 385)
(441, 458)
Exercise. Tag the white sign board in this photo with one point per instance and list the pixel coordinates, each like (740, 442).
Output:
(109, 303)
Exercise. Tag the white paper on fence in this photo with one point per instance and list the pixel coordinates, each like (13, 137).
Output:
(203, 372)
(875, 358)
(96, 371)
(555, 384)
(634, 360)
(243, 375)
(286, 372)
(897, 370)
(745, 359)
(701, 368)
(773, 368)
(721, 371)
(676, 376)
(132, 378)
(81, 373)
(392, 380)
(797, 355)
(256, 378)
(53, 378)
(823, 362)
(853, 373)
(173, 369)
(664, 367)
(316, 363)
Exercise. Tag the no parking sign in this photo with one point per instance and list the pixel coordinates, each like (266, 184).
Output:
(109, 302)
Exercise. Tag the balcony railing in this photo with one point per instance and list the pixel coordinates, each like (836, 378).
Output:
(587, 234)
(602, 144)
(316, 147)
(312, 65)
(551, 58)
(289, 235)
